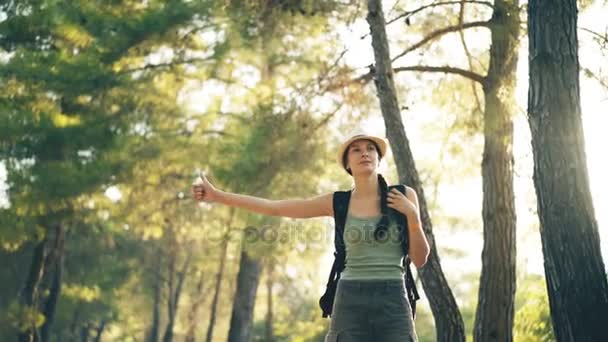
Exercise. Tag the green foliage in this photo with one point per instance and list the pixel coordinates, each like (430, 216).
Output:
(23, 317)
(69, 127)
(533, 318)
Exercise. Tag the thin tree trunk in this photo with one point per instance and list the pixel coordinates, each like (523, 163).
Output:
(218, 286)
(269, 315)
(175, 296)
(448, 320)
(574, 269)
(55, 290)
(496, 297)
(170, 284)
(99, 331)
(73, 332)
(29, 293)
(84, 333)
(193, 314)
(244, 300)
(250, 268)
(158, 287)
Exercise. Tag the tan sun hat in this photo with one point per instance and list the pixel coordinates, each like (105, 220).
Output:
(358, 134)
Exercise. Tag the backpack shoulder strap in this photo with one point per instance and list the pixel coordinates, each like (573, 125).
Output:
(402, 224)
(340, 203)
(399, 187)
(340, 206)
(410, 284)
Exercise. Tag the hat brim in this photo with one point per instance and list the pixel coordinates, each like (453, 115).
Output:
(382, 145)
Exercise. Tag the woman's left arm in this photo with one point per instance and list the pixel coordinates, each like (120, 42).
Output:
(408, 205)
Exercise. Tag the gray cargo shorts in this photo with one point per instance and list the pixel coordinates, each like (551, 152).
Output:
(371, 310)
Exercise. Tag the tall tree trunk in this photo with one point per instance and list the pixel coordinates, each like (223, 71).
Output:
(99, 331)
(244, 300)
(250, 268)
(218, 286)
(448, 320)
(167, 336)
(496, 297)
(73, 331)
(269, 316)
(158, 287)
(55, 290)
(29, 293)
(193, 314)
(84, 333)
(175, 294)
(574, 269)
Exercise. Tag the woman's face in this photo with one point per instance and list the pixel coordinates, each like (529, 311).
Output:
(362, 157)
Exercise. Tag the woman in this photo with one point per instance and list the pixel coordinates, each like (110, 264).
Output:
(370, 302)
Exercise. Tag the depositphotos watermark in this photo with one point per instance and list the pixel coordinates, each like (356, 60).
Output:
(301, 233)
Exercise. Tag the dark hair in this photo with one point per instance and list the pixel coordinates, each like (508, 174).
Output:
(382, 226)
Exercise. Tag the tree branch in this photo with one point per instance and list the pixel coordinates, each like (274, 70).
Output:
(602, 39)
(166, 65)
(196, 29)
(438, 33)
(592, 75)
(468, 53)
(444, 69)
(408, 14)
(363, 79)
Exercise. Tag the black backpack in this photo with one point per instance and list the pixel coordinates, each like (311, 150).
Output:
(341, 200)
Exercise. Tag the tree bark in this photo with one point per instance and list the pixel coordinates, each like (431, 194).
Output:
(99, 331)
(158, 287)
(168, 335)
(175, 294)
(218, 286)
(192, 315)
(574, 269)
(244, 300)
(448, 320)
(496, 297)
(55, 290)
(74, 334)
(84, 333)
(269, 312)
(29, 293)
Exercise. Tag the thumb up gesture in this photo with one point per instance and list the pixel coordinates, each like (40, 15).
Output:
(203, 190)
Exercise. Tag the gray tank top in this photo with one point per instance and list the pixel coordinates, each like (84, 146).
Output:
(368, 258)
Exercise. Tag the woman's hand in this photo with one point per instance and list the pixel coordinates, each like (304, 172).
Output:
(203, 190)
(399, 202)
(408, 205)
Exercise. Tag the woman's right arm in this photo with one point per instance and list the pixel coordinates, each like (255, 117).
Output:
(295, 208)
